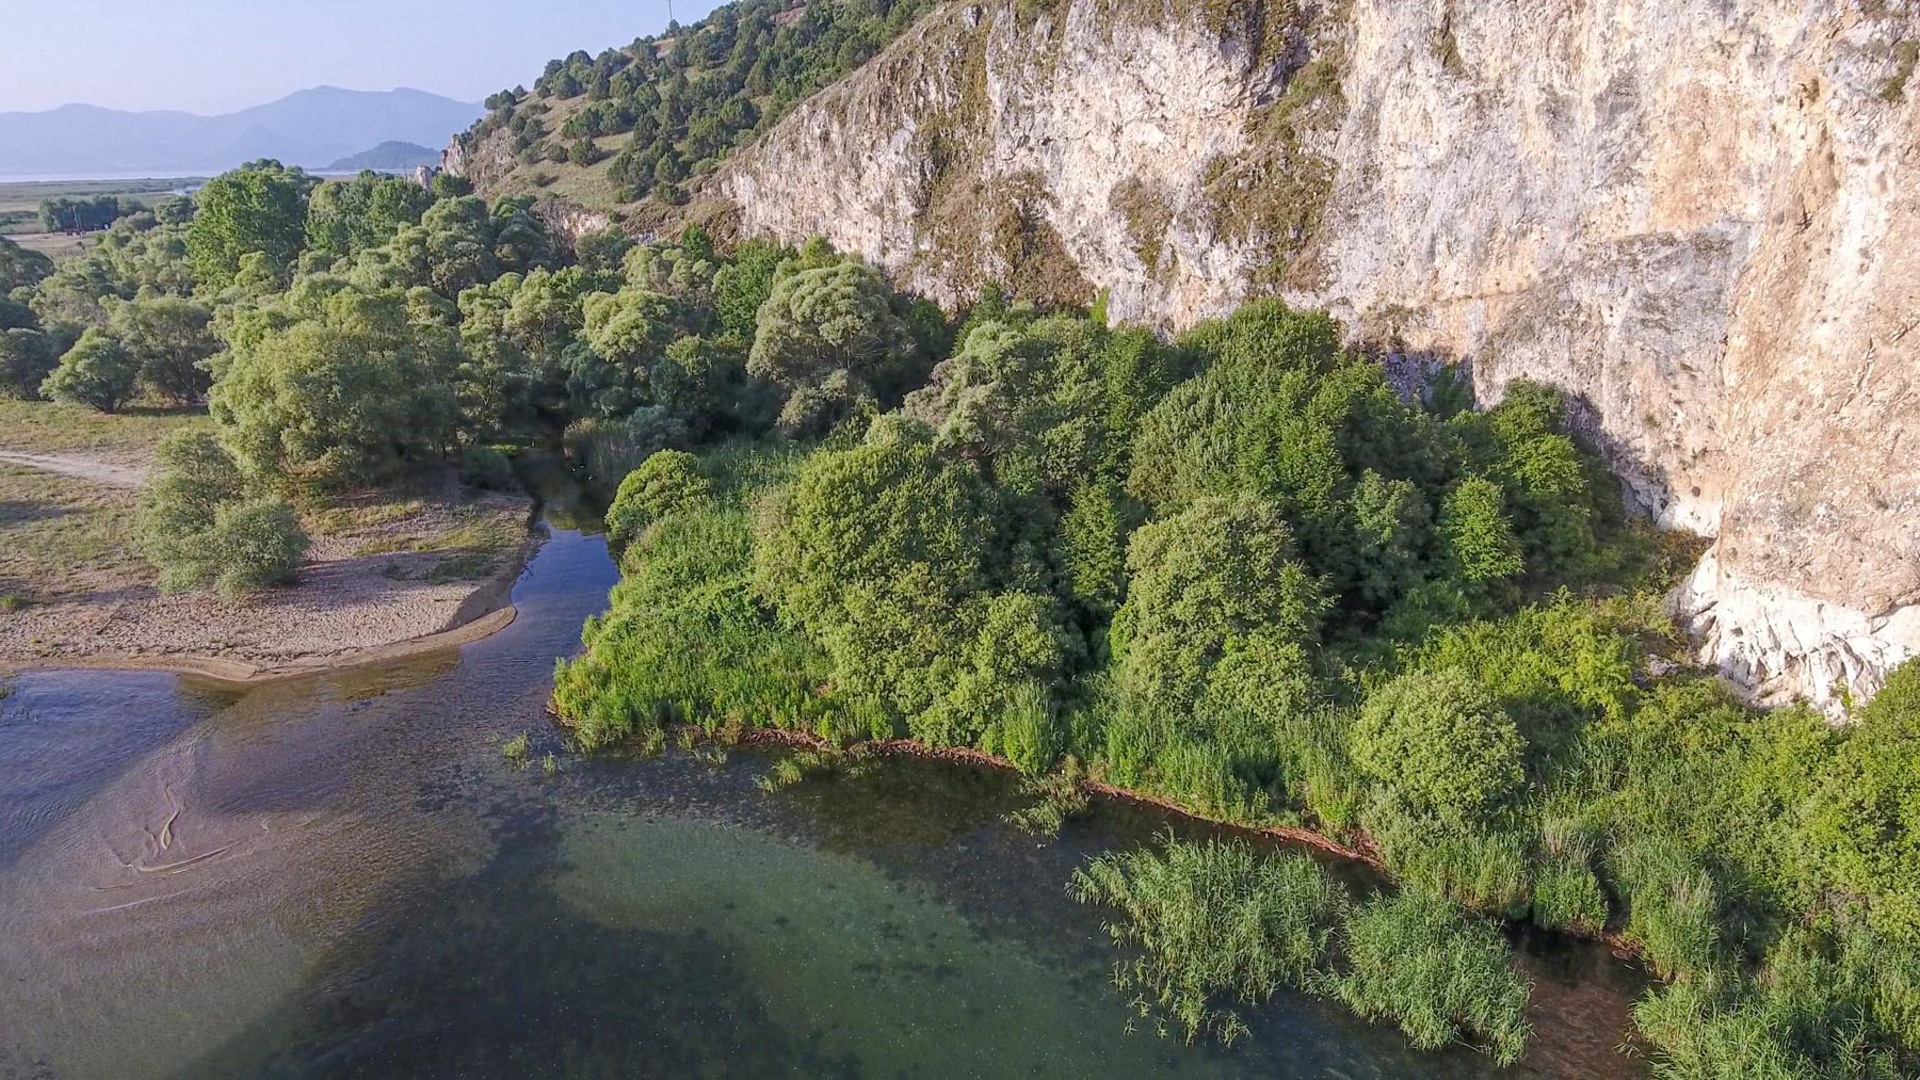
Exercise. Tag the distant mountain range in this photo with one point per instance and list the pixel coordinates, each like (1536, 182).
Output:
(312, 128)
(389, 156)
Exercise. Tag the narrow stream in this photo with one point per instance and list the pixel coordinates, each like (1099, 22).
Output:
(343, 876)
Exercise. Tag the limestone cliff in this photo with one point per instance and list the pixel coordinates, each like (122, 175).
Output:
(1700, 217)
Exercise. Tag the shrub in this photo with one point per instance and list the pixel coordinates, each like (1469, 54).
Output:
(196, 525)
(1865, 819)
(1216, 573)
(487, 468)
(1438, 740)
(1212, 922)
(1440, 975)
(258, 543)
(192, 478)
(27, 357)
(667, 481)
(95, 372)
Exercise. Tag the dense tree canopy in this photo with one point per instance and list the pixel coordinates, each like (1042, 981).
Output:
(355, 395)
(259, 209)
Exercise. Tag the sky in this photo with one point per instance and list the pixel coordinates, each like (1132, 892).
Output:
(214, 56)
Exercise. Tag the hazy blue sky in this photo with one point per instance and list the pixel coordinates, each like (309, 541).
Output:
(211, 56)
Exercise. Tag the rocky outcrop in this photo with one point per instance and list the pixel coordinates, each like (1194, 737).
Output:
(1700, 217)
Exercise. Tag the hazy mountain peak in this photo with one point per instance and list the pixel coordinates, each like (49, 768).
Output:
(313, 127)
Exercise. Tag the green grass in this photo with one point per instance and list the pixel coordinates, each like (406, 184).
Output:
(44, 427)
(515, 749)
(1209, 925)
(1442, 976)
(62, 538)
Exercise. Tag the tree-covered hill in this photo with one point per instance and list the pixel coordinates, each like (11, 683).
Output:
(635, 131)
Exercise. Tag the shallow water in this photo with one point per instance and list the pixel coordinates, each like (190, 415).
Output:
(343, 876)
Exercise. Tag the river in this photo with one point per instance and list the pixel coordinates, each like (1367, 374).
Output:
(344, 876)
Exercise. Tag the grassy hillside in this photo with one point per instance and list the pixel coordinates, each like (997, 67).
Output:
(635, 131)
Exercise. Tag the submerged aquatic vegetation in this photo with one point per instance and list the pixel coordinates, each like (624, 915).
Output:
(1058, 798)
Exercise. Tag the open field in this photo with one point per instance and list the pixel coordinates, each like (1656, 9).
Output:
(55, 246)
(27, 195)
(44, 427)
(20, 207)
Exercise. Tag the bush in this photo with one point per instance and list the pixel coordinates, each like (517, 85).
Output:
(1439, 741)
(1210, 923)
(1216, 574)
(669, 480)
(192, 477)
(196, 525)
(1440, 975)
(258, 543)
(487, 468)
(27, 357)
(1866, 816)
(95, 372)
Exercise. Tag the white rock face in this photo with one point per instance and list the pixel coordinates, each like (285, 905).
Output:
(1699, 217)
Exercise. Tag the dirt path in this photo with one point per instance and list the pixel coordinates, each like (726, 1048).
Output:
(84, 468)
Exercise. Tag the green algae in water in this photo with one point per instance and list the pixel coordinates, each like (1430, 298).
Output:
(878, 971)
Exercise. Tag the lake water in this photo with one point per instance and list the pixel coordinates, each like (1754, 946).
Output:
(343, 876)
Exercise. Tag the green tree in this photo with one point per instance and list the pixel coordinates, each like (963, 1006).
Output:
(171, 338)
(355, 396)
(831, 330)
(260, 208)
(603, 249)
(27, 357)
(1200, 582)
(97, 371)
(346, 216)
(667, 481)
(21, 268)
(745, 283)
(1438, 740)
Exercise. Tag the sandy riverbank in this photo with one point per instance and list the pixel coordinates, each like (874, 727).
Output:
(386, 580)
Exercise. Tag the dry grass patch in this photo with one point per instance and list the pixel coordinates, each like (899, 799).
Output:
(45, 427)
(63, 538)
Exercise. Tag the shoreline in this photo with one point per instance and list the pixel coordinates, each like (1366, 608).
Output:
(485, 612)
(1613, 939)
